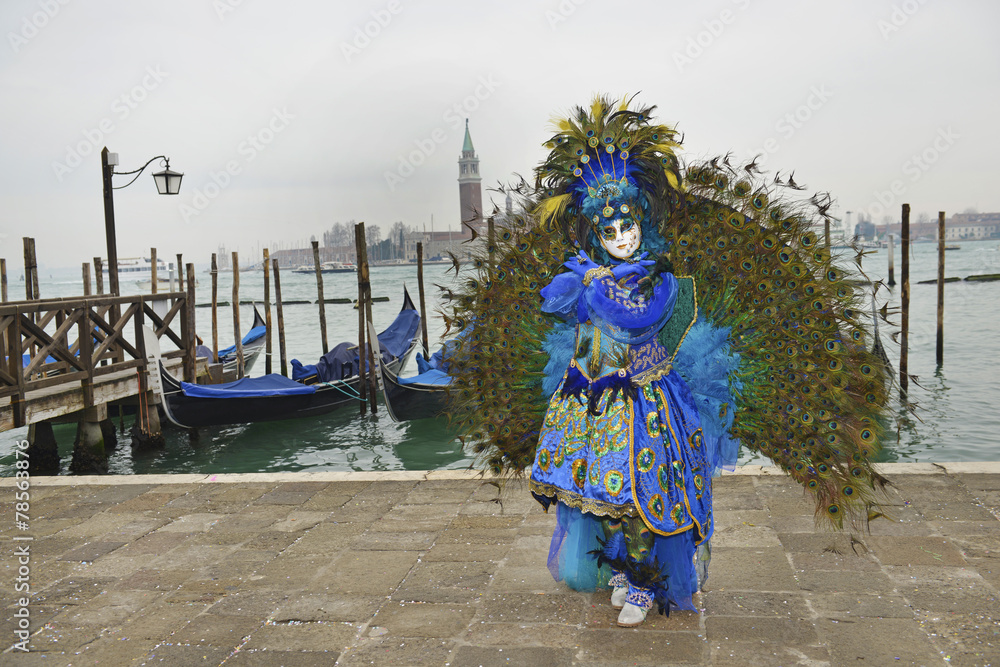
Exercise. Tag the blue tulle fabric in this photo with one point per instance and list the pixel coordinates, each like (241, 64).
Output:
(707, 364)
(577, 533)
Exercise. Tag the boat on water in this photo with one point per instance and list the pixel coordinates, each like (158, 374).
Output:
(138, 268)
(253, 344)
(328, 267)
(421, 396)
(274, 397)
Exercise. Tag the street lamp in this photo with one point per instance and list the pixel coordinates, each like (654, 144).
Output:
(168, 182)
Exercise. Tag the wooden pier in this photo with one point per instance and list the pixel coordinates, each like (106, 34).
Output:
(62, 356)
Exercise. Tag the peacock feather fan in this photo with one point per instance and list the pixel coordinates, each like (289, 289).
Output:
(781, 314)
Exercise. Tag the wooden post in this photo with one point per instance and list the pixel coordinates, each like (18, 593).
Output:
(420, 287)
(826, 231)
(940, 294)
(3, 280)
(892, 255)
(236, 315)
(904, 338)
(190, 369)
(359, 244)
(30, 270)
(215, 308)
(86, 279)
(267, 311)
(281, 319)
(180, 273)
(99, 274)
(319, 291)
(152, 270)
(367, 378)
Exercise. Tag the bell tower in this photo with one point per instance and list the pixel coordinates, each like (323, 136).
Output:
(470, 191)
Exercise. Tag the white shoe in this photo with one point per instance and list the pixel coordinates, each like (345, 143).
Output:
(618, 597)
(632, 615)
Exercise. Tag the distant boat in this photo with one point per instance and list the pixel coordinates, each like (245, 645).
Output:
(138, 268)
(953, 247)
(328, 267)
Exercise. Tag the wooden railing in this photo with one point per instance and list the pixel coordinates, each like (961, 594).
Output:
(36, 350)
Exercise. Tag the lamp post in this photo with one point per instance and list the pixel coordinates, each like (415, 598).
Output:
(168, 182)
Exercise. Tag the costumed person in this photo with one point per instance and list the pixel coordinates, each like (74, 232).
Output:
(696, 313)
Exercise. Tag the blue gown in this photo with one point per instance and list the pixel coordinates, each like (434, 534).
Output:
(622, 437)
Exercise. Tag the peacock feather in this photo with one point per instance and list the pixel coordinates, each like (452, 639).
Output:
(800, 383)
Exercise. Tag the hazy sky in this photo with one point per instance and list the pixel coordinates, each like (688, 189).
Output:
(289, 116)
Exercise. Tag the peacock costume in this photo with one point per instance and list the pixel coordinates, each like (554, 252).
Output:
(699, 313)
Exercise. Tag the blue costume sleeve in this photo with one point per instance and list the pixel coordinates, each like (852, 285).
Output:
(611, 308)
(561, 295)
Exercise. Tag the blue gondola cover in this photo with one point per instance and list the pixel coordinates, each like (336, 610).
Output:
(267, 385)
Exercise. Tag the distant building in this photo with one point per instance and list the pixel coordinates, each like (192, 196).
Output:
(470, 191)
(864, 230)
(972, 226)
(437, 244)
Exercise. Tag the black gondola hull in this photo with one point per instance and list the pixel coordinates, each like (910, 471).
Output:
(406, 402)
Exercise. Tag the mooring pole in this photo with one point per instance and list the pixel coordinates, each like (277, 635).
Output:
(267, 312)
(99, 274)
(190, 358)
(180, 272)
(215, 308)
(892, 254)
(30, 270)
(420, 287)
(940, 291)
(359, 245)
(904, 338)
(281, 318)
(154, 277)
(86, 279)
(366, 308)
(3, 280)
(319, 292)
(236, 315)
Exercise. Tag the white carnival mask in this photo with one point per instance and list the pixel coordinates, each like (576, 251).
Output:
(620, 237)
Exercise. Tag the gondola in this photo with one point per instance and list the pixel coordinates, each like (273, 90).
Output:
(275, 397)
(422, 396)
(253, 345)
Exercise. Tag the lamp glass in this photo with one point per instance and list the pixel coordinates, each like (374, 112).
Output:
(168, 182)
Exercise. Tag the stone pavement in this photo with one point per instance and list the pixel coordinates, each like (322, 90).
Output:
(427, 569)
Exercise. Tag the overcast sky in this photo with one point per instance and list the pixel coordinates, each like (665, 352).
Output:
(286, 117)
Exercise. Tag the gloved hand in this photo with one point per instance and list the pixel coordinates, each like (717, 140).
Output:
(629, 268)
(581, 264)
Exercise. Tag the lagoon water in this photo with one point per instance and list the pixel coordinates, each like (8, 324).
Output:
(956, 416)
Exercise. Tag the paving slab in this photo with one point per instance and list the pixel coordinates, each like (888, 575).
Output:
(434, 568)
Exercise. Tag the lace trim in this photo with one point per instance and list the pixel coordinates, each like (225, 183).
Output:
(640, 597)
(586, 505)
(651, 375)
